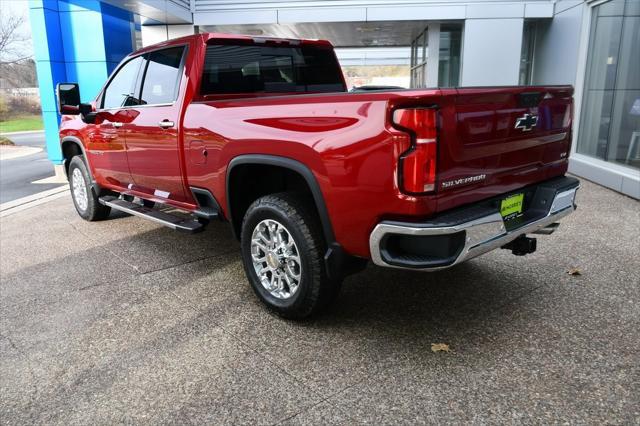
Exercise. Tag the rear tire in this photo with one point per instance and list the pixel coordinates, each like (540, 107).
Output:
(84, 199)
(282, 251)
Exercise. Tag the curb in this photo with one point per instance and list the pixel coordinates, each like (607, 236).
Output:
(11, 207)
(22, 132)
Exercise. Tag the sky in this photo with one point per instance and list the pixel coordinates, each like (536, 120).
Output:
(19, 8)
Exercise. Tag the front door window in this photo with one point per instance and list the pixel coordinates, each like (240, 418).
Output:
(121, 91)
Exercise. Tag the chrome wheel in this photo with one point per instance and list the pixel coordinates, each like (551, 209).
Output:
(79, 188)
(276, 259)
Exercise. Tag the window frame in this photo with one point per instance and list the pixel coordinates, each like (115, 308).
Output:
(140, 78)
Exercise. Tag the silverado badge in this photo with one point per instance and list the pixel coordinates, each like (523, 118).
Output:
(463, 181)
(526, 122)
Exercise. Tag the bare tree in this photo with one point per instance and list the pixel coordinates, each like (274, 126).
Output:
(17, 68)
(11, 39)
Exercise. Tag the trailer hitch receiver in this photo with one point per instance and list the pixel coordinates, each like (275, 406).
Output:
(521, 245)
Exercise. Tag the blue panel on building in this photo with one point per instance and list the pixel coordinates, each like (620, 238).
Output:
(45, 27)
(78, 41)
(51, 121)
(49, 73)
(82, 37)
(48, 4)
(89, 75)
(117, 21)
(79, 6)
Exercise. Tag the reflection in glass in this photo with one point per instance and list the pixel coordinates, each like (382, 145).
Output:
(449, 59)
(529, 34)
(419, 54)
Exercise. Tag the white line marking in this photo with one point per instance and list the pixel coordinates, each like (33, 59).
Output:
(22, 207)
(11, 152)
(23, 132)
(49, 180)
(29, 200)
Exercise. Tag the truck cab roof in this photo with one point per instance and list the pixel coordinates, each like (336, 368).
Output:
(230, 38)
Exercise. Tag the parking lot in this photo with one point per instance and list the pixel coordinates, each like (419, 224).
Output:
(126, 321)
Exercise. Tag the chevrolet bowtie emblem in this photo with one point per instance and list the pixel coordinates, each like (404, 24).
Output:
(526, 122)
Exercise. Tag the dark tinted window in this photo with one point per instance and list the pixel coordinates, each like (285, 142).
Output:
(162, 78)
(246, 69)
(121, 90)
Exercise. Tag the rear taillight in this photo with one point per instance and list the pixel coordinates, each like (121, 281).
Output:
(418, 166)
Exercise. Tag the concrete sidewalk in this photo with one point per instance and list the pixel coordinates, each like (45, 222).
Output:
(125, 321)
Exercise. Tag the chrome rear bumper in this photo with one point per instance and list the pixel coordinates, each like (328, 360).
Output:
(481, 235)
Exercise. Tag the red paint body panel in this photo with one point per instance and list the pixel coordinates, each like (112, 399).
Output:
(152, 153)
(108, 149)
(347, 140)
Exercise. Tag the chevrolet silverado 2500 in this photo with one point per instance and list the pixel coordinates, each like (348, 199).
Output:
(315, 180)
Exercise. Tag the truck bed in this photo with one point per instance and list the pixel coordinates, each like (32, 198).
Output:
(353, 147)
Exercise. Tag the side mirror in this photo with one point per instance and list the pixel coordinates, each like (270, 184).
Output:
(69, 102)
(68, 98)
(87, 113)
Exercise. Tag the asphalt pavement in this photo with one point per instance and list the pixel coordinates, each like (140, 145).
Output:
(123, 321)
(17, 175)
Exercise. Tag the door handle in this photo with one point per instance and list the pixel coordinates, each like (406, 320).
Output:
(116, 124)
(165, 124)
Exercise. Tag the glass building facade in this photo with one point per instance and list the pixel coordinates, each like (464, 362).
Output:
(419, 56)
(449, 58)
(610, 118)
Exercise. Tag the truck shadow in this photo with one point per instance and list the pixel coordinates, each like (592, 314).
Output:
(470, 289)
(380, 297)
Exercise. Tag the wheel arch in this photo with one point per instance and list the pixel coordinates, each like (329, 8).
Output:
(72, 146)
(284, 163)
(337, 262)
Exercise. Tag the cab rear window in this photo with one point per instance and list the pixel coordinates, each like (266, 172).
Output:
(270, 69)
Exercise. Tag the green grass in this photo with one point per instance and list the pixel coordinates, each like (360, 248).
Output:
(21, 124)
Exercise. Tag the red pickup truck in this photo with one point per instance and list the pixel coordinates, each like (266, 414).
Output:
(315, 180)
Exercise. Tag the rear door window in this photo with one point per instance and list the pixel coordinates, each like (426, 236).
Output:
(270, 69)
(162, 77)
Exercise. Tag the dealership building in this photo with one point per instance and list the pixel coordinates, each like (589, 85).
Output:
(593, 45)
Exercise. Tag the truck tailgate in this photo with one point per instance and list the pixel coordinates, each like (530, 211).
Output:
(493, 140)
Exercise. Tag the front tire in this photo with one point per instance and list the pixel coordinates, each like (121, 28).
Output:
(84, 199)
(282, 252)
